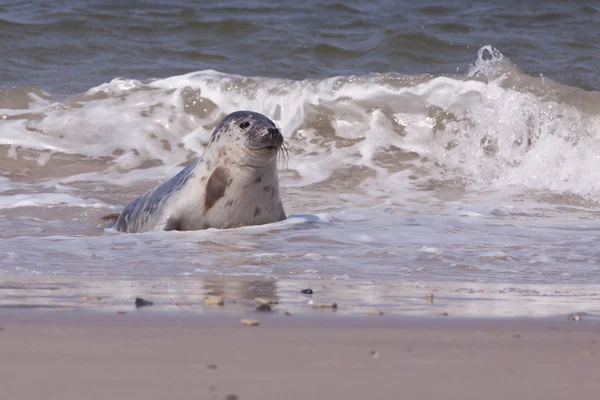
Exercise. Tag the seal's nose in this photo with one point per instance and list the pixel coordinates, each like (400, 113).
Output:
(274, 132)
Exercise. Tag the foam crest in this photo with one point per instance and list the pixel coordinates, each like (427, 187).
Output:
(494, 128)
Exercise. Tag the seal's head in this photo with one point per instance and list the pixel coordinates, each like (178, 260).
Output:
(256, 140)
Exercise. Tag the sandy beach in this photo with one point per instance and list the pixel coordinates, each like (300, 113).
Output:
(146, 355)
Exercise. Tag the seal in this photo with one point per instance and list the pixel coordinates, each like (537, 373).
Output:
(234, 183)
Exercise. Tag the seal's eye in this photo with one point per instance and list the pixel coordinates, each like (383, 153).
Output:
(245, 125)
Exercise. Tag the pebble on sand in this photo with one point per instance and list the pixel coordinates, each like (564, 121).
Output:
(250, 322)
(121, 312)
(287, 314)
(90, 298)
(517, 336)
(214, 301)
(263, 304)
(262, 300)
(139, 302)
(306, 291)
(325, 305)
(575, 317)
(430, 298)
(375, 312)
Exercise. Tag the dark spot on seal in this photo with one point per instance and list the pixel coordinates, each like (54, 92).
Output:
(208, 164)
(256, 211)
(215, 188)
(258, 179)
(267, 188)
(246, 186)
(203, 179)
(229, 203)
(205, 225)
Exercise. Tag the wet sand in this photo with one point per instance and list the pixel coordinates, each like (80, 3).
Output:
(148, 355)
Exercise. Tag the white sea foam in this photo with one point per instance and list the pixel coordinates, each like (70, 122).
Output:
(481, 129)
(48, 200)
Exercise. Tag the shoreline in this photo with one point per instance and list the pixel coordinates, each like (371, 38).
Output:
(144, 355)
(186, 295)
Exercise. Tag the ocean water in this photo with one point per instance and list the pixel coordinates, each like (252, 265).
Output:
(443, 146)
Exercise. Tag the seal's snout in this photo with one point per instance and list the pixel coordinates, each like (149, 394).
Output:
(270, 138)
(274, 135)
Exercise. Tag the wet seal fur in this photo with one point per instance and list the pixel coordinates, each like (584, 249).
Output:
(234, 183)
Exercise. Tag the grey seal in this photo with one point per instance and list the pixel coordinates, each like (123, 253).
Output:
(234, 183)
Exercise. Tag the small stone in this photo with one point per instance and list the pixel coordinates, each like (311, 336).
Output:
(260, 300)
(250, 322)
(211, 366)
(517, 336)
(430, 298)
(90, 298)
(121, 312)
(287, 314)
(375, 312)
(306, 291)
(575, 317)
(214, 301)
(139, 302)
(374, 354)
(232, 397)
(325, 305)
(180, 303)
(444, 314)
(588, 353)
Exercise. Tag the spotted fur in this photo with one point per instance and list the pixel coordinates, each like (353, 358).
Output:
(233, 184)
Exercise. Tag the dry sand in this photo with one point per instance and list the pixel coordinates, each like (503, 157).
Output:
(141, 355)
